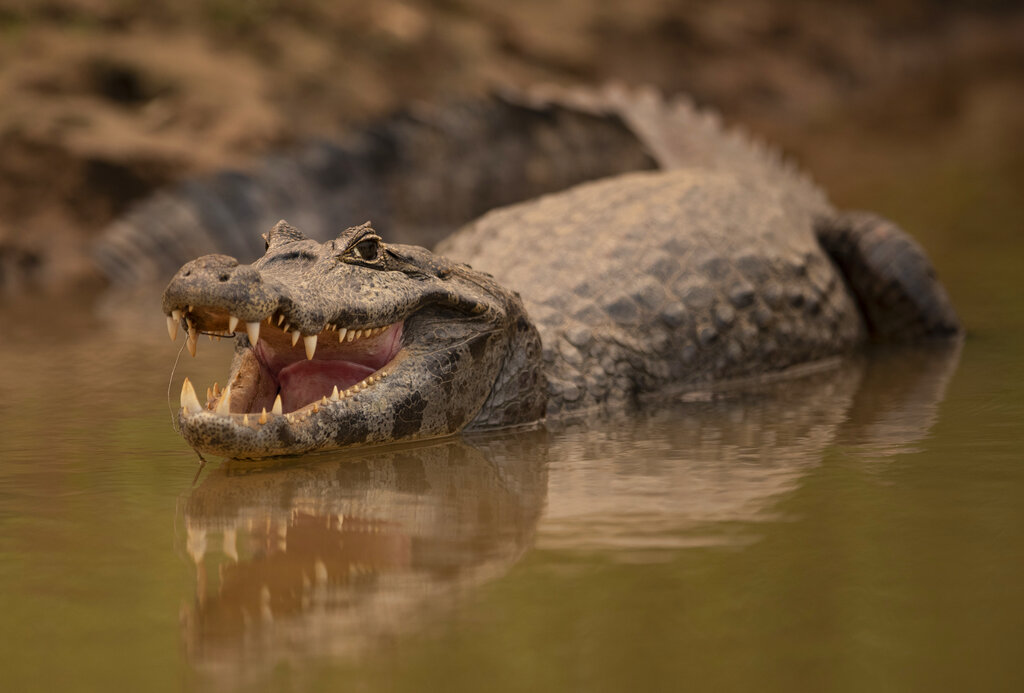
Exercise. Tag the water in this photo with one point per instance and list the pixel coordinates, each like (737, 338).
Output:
(861, 528)
(858, 529)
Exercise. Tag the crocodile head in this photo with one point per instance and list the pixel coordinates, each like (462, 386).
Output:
(351, 341)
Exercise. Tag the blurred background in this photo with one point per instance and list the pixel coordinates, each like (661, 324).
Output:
(800, 539)
(911, 107)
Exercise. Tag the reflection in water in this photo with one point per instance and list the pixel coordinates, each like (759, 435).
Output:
(329, 557)
(338, 554)
(677, 476)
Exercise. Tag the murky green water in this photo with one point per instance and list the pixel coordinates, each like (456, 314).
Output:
(861, 529)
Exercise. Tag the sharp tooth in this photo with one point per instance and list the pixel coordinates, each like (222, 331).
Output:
(334, 394)
(263, 416)
(176, 314)
(253, 330)
(295, 337)
(287, 326)
(210, 336)
(309, 342)
(209, 396)
(216, 388)
(172, 328)
(245, 419)
(351, 335)
(191, 340)
(232, 323)
(316, 408)
(224, 405)
(323, 400)
(280, 319)
(190, 309)
(277, 406)
(341, 333)
(359, 334)
(189, 401)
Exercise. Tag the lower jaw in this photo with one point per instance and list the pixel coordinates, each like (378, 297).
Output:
(289, 434)
(271, 433)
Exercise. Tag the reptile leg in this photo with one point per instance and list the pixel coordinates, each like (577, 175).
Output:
(890, 275)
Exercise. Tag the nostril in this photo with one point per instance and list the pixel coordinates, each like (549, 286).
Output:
(187, 274)
(224, 277)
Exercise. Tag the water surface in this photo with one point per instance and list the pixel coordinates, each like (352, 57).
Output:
(858, 529)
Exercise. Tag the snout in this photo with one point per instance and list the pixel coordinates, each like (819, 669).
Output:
(219, 282)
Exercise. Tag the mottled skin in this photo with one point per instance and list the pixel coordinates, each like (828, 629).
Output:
(728, 265)
(461, 334)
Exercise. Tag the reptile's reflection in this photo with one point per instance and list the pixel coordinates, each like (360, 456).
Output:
(683, 476)
(330, 557)
(326, 558)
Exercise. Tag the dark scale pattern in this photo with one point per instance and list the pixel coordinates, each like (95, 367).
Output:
(746, 288)
(725, 265)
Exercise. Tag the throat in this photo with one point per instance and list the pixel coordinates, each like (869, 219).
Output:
(307, 381)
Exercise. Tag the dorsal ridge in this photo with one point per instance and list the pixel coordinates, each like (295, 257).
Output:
(679, 134)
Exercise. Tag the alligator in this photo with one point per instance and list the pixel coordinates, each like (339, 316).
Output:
(716, 262)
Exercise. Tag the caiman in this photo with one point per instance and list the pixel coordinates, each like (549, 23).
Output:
(721, 262)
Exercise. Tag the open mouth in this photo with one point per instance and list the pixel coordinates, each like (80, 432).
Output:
(283, 371)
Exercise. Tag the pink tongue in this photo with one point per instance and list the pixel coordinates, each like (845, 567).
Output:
(307, 381)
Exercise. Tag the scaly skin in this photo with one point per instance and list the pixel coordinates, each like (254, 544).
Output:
(729, 264)
(666, 280)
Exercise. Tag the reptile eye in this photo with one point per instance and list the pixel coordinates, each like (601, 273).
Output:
(367, 250)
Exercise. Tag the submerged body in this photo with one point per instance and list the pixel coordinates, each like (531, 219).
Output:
(728, 266)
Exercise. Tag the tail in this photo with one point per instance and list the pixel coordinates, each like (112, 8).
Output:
(678, 134)
(890, 276)
(418, 175)
(422, 174)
